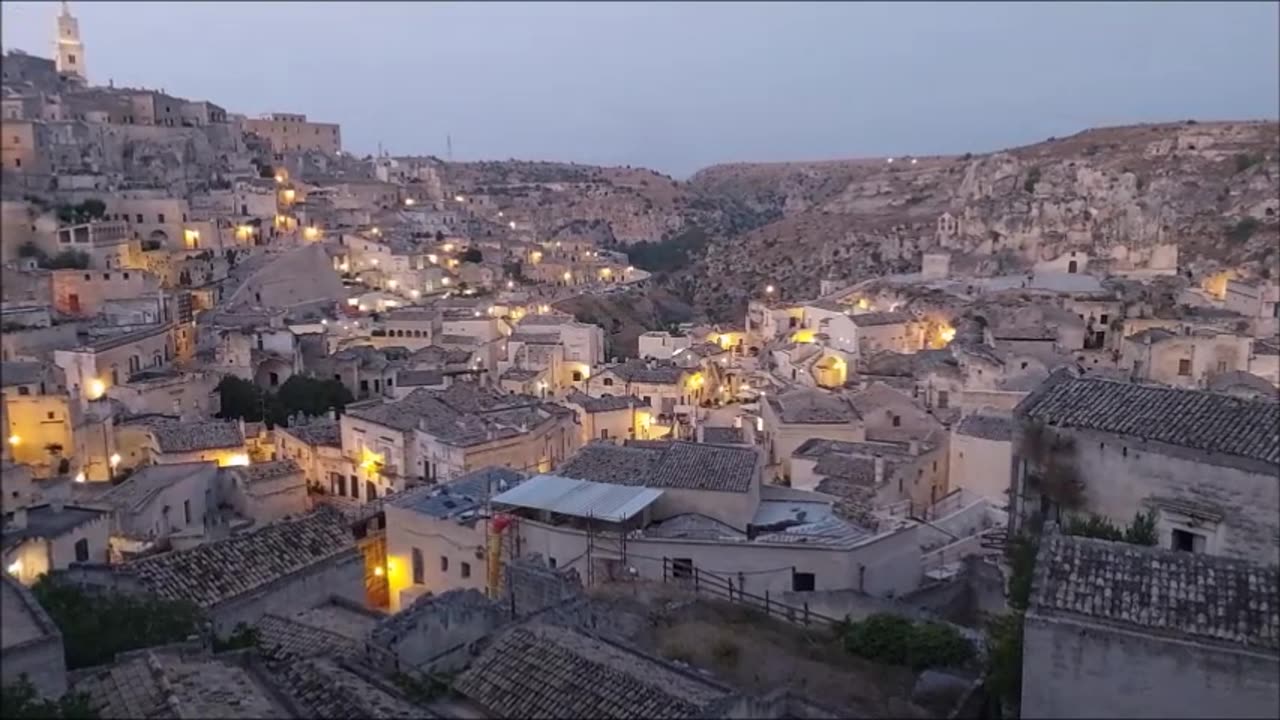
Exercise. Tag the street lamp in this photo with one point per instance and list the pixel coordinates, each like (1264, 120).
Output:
(768, 289)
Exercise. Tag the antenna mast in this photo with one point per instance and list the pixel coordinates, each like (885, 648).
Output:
(448, 147)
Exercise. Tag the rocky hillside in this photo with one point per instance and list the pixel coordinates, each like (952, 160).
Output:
(1125, 196)
(626, 315)
(1122, 195)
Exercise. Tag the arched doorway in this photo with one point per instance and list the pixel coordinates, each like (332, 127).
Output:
(1072, 266)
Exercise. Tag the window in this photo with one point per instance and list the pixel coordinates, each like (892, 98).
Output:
(1222, 366)
(275, 379)
(24, 390)
(160, 217)
(577, 376)
(1184, 367)
(139, 217)
(444, 564)
(681, 568)
(49, 415)
(604, 434)
(897, 421)
(608, 382)
(1185, 541)
(82, 550)
(370, 491)
(419, 570)
(466, 570)
(935, 466)
(802, 582)
(944, 399)
(186, 512)
(71, 59)
(551, 562)
(647, 400)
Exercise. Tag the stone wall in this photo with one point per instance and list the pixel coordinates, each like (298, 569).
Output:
(1078, 669)
(341, 576)
(435, 633)
(530, 586)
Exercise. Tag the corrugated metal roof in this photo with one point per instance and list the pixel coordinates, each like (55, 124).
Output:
(580, 498)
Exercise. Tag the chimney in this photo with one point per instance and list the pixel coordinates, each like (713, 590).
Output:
(19, 521)
(879, 465)
(240, 422)
(913, 447)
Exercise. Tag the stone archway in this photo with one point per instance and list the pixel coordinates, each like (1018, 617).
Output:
(159, 237)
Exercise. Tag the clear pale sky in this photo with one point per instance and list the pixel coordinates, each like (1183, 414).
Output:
(680, 86)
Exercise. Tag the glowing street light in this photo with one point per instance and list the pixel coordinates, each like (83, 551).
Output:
(114, 460)
(768, 289)
(96, 388)
(409, 202)
(459, 198)
(14, 440)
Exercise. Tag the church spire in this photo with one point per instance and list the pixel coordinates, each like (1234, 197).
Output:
(68, 50)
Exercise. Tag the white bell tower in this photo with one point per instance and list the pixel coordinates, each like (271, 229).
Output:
(68, 50)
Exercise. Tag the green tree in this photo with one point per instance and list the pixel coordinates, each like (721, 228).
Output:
(1243, 230)
(29, 249)
(897, 640)
(19, 700)
(92, 209)
(312, 396)
(96, 626)
(240, 399)
(472, 255)
(1004, 658)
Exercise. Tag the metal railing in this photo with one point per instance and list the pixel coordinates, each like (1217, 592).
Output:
(702, 582)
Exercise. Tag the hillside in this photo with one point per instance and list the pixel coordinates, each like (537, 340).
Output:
(1122, 195)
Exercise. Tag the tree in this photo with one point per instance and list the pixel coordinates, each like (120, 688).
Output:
(311, 396)
(240, 399)
(1243, 230)
(19, 700)
(29, 249)
(1033, 177)
(472, 255)
(1051, 466)
(93, 209)
(96, 626)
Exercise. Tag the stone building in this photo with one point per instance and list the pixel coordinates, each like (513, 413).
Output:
(292, 132)
(1120, 630)
(30, 644)
(1204, 463)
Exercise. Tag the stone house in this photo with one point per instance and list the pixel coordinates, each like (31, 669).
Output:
(1176, 635)
(213, 440)
(668, 389)
(792, 418)
(316, 447)
(42, 538)
(30, 643)
(160, 504)
(1205, 464)
(980, 455)
(614, 419)
(282, 568)
(1190, 359)
(269, 491)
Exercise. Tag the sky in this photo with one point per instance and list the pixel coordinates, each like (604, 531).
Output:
(679, 86)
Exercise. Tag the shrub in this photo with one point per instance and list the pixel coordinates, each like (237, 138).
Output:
(1243, 230)
(1033, 177)
(1004, 657)
(19, 700)
(97, 626)
(726, 652)
(896, 640)
(1244, 161)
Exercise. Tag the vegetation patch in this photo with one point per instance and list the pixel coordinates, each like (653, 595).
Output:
(896, 640)
(19, 700)
(96, 626)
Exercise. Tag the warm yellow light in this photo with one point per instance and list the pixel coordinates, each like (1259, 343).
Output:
(768, 289)
(803, 336)
(511, 284)
(370, 461)
(863, 304)
(244, 231)
(605, 272)
(80, 477)
(234, 460)
(535, 257)
(378, 571)
(353, 302)
(459, 198)
(447, 247)
(14, 440)
(512, 224)
(444, 281)
(453, 262)
(279, 178)
(392, 284)
(15, 567)
(568, 276)
(409, 201)
(114, 459)
(311, 232)
(375, 262)
(344, 267)
(96, 388)
(947, 334)
(414, 293)
(191, 237)
(376, 231)
(289, 195)
(630, 269)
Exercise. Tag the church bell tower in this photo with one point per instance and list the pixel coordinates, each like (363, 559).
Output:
(68, 50)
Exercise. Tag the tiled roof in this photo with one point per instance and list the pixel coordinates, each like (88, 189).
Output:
(642, 371)
(463, 414)
(211, 573)
(393, 628)
(320, 432)
(162, 684)
(547, 671)
(20, 373)
(282, 637)
(147, 481)
(1187, 418)
(328, 688)
(1161, 591)
(189, 437)
(677, 465)
(417, 378)
(44, 522)
(872, 319)
(859, 470)
(987, 427)
(269, 470)
(722, 435)
(517, 374)
(813, 407)
(603, 404)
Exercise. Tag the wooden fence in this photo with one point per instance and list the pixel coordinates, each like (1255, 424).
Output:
(709, 584)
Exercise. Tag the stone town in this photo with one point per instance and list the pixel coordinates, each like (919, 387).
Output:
(343, 414)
